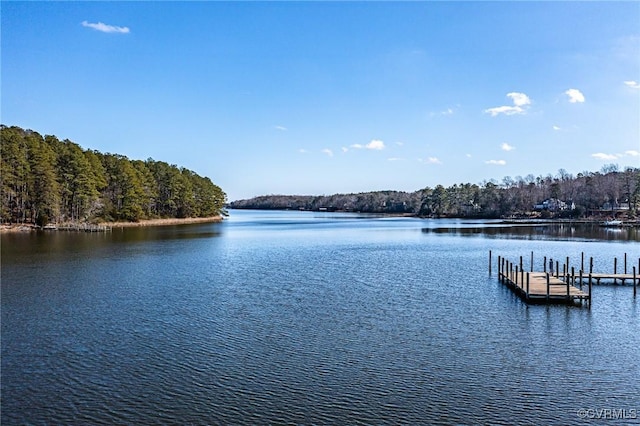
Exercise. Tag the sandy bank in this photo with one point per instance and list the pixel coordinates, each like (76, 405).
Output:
(89, 227)
(163, 222)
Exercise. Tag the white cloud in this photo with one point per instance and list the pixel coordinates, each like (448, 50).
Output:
(99, 26)
(468, 155)
(430, 160)
(557, 128)
(520, 104)
(282, 128)
(633, 84)
(395, 159)
(506, 110)
(575, 96)
(345, 149)
(302, 151)
(519, 99)
(328, 152)
(445, 112)
(506, 147)
(603, 156)
(496, 162)
(375, 144)
(609, 157)
(400, 143)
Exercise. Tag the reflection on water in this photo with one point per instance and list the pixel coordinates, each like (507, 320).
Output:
(23, 246)
(307, 318)
(577, 232)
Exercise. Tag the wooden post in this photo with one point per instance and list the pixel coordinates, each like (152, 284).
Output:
(591, 265)
(580, 279)
(547, 287)
(532, 261)
(505, 263)
(615, 269)
(590, 297)
(573, 276)
(567, 264)
(557, 268)
(521, 278)
(520, 262)
(567, 280)
(504, 268)
(489, 262)
(528, 285)
(635, 283)
(625, 263)
(582, 261)
(544, 264)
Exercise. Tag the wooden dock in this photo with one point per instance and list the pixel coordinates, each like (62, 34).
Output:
(541, 287)
(609, 277)
(545, 287)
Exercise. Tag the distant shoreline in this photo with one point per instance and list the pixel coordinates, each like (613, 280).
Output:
(89, 227)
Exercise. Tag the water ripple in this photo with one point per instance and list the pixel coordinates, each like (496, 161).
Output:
(357, 325)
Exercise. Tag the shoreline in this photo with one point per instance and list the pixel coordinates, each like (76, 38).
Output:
(163, 222)
(101, 226)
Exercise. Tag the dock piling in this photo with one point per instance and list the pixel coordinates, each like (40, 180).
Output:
(531, 261)
(581, 279)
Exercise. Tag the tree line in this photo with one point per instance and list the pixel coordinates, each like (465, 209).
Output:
(587, 194)
(45, 180)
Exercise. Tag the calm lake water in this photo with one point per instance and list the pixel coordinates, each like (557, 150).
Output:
(310, 318)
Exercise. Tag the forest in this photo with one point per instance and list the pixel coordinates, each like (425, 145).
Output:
(45, 180)
(609, 192)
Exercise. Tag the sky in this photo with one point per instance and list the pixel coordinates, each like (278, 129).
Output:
(315, 98)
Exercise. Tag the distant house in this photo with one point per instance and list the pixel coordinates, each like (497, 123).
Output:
(554, 205)
(615, 205)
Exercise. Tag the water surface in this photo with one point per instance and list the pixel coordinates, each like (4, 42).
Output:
(308, 318)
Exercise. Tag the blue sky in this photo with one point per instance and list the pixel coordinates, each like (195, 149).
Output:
(332, 97)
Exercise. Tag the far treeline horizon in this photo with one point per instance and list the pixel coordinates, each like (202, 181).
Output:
(45, 180)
